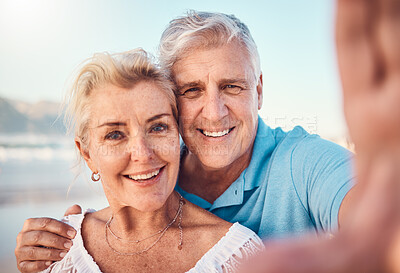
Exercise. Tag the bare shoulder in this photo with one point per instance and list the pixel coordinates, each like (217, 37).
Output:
(93, 221)
(93, 229)
(204, 224)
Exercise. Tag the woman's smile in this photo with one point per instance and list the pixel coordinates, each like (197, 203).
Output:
(146, 178)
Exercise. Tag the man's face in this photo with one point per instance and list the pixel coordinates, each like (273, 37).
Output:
(218, 103)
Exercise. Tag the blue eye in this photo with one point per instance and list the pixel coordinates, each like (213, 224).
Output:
(192, 92)
(232, 89)
(114, 135)
(159, 128)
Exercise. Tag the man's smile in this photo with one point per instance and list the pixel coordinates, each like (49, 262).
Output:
(215, 133)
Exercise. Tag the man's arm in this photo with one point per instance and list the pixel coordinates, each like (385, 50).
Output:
(348, 203)
(324, 180)
(43, 241)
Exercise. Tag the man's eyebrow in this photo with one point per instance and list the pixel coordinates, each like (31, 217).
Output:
(234, 80)
(157, 117)
(188, 85)
(112, 124)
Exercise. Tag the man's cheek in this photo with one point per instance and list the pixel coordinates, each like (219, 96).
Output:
(186, 127)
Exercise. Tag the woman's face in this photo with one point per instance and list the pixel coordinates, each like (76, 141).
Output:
(133, 144)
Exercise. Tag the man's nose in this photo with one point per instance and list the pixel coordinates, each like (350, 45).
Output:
(214, 108)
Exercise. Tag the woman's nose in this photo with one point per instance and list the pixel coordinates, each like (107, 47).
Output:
(140, 149)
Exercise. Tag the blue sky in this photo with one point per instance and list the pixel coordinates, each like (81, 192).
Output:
(42, 41)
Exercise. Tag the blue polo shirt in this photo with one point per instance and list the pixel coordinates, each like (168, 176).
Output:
(295, 183)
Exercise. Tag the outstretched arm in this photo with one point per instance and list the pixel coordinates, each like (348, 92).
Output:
(368, 44)
(43, 241)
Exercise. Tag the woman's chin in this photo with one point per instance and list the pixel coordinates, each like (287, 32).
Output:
(152, 204)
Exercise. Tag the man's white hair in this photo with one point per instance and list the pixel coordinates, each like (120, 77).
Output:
(204, 30)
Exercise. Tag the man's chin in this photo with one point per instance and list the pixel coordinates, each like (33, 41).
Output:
(215, 161)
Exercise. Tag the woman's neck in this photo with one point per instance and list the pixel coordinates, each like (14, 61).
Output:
(130, 223)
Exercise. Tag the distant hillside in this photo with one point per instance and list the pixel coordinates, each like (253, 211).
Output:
(22, 117)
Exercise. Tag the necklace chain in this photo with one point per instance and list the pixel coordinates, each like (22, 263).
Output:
(161, 232)
(181, 201)
(140, 240)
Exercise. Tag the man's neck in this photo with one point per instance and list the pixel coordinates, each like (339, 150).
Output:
(209, 183)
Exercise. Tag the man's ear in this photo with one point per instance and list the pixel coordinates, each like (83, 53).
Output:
(260, 91)
(85, 154)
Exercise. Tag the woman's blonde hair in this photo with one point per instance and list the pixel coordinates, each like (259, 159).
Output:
(120, 69)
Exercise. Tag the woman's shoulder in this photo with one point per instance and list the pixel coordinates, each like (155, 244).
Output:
(92, 215)
(93, 221)
(200, 218)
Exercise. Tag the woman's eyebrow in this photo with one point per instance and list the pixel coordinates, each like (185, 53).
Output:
(116, 124)
(157, 117)
(112, 124)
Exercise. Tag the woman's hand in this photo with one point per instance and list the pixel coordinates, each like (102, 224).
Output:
(43, 241)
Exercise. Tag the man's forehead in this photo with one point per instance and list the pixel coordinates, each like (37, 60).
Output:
(222, 63)
(196, 77)
(228, 73)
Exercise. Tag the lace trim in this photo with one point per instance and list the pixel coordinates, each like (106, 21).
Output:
(249, 249)
(238, 244)
(80, 258)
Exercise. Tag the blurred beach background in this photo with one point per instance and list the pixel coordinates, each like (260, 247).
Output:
(42, 41)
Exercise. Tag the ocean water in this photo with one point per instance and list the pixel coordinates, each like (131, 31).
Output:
(38, 178)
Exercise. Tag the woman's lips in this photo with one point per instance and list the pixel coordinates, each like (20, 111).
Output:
(144, 176)
(146, 179)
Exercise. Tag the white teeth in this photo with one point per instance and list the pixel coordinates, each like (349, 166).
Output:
(215, 134)
(144, 176)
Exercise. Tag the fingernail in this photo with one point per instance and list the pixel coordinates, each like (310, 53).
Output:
(47, 263)
(62, 254)
(71, 233)
(68, 245)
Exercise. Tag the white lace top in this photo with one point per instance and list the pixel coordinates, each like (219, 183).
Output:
(237, 245)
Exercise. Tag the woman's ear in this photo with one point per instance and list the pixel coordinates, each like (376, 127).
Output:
(85, 154)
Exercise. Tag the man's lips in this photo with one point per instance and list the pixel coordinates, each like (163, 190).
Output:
(145, 176)
(214, 133)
